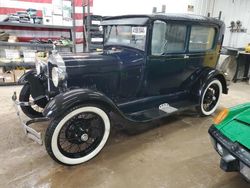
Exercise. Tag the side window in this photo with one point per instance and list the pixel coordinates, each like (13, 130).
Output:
(159, 30)
(167, 38)
(201, 38)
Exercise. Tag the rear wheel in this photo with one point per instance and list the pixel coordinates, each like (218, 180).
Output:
(210, 97)
(33, 111)
(77, 136)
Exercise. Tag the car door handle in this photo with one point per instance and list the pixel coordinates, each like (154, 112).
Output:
(186, 56)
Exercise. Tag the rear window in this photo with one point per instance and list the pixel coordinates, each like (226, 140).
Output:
(201, 38)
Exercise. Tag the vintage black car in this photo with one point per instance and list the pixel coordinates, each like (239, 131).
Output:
(152, 66)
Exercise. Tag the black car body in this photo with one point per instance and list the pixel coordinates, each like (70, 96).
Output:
(151, 66)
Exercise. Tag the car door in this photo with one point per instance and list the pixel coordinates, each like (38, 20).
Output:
(166, 64)
(130, 74)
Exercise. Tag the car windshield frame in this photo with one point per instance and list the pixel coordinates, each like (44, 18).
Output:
(133, 36)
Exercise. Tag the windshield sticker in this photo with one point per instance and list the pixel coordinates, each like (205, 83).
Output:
(139, 30)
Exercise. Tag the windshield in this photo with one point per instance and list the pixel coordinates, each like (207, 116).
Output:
(132, 36)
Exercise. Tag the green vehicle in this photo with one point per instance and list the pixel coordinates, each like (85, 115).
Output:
(230, 137)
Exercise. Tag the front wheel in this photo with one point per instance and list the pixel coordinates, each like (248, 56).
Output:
(210, 97)
(78, 135)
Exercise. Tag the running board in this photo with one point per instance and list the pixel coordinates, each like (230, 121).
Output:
(161, 111)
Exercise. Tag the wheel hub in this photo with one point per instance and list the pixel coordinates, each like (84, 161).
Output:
(77, 132)
(84, 137)
(211, 96)
(81, 135)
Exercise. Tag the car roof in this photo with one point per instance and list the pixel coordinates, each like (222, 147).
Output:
(167, 16)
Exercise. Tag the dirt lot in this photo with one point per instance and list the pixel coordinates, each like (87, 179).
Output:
(176, 154)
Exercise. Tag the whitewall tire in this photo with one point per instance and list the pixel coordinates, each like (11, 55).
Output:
(210, 97)
(77, 128)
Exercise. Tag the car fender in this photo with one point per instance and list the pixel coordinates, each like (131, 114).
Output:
(204, 76)
(211, 73)
(64, 101)
(26, 76)
(36, 84)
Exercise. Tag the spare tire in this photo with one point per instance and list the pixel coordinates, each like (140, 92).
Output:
(229, 67)
(31, 111)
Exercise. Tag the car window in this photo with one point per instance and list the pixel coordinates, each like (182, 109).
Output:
(133, 36)
(168, 37)
(201, 38)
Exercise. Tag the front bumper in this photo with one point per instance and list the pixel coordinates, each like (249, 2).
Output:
(29, 131)
(234, 157)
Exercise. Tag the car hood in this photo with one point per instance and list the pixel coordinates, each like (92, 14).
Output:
(85, 63)
(238, 129)
(88, 59)
(107, 60)
(244, 117)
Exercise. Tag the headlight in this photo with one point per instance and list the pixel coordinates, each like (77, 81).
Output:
(220, 149)
(55, 76)
(221, 116)
(40, 67)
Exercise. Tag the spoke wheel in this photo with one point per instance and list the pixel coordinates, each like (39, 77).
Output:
(81, 135)
(78, 136)
(210, 97)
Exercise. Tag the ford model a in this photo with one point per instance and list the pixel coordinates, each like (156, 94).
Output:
(151, 66)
